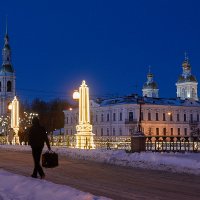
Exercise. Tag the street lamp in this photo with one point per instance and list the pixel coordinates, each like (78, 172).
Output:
(169, 113)
(10, 106)
(76, 95)
(138, 139)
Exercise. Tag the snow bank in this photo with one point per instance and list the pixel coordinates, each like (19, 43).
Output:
(18, 187)
(175, 162)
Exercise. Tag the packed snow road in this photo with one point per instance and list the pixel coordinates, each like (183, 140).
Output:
(111, 181)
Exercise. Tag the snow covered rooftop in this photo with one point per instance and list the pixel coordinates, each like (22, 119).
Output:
(134, 99)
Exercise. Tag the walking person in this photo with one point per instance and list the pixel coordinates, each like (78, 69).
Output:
(37, 137)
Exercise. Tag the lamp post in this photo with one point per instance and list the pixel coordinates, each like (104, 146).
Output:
(138, 139)
(84, 135)
(76, 95)
(140, 101)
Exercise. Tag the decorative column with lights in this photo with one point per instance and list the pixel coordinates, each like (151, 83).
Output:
(15, 119)
(84, 135)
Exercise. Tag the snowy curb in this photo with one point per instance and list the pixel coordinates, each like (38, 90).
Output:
(174, 162)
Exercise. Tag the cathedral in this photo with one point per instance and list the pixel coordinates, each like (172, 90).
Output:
(186, 85)
(119, 117)
(7, 77)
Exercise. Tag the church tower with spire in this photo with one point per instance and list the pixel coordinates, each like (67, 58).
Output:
(187, 83)
(7, 77)
(150, 88)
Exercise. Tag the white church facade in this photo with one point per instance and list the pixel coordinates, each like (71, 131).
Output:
(178, 116)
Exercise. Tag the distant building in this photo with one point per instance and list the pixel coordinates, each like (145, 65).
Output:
(7, 78)
(159, 116)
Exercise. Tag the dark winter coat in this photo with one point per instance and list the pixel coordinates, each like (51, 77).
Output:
(37, 136)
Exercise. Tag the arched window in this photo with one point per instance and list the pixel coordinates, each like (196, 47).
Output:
(183, 93)
(9, 86)
(193, 93)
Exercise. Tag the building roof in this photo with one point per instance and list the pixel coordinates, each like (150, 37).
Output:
(151, 85)
(183, 79)
(134, 99)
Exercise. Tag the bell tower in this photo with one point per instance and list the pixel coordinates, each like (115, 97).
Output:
(150, 88)
(7, 77)
(187, 83)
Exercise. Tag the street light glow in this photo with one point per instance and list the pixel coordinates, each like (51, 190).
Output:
(84, 136)
(10, 106)
(76, 95)
(169, 113)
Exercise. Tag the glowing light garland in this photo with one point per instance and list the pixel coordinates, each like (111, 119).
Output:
(84, 136)
(15, 119)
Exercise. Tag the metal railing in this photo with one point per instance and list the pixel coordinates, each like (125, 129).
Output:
(153, 143)
(172, 144)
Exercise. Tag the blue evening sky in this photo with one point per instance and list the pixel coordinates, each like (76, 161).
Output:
(110, 44)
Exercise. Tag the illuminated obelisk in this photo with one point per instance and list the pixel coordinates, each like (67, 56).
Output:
(84, 136)
(15, 119)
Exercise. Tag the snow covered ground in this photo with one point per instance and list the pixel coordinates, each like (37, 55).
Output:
(175, 162)
(16, 187)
